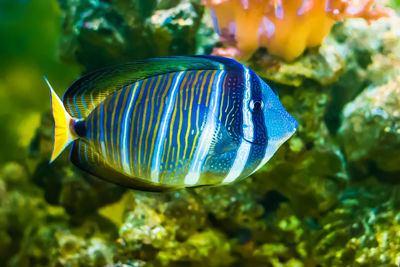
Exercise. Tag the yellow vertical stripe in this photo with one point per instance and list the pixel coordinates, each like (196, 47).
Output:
(190, 111)
(172, 122)
(196, 136)
(165, 89)
(202, 86)
(181, 115)
(209, 87)
(201, 81)
(227, 104)
(222, 98)
(162, 157)
(92, 129)
(131, 134)
(187, 88)
(121, 112)
(197, 131)
(112, 129)
(136, 115)
(177, 85)
(154, 135)
(156, 88)
(175, 166)
(105, 127)
(98, 129)
(144, 126)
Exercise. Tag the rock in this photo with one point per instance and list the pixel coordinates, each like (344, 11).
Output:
(101, 33)
(370, 134)
(361, 230)
(329, 197)
(64, 184)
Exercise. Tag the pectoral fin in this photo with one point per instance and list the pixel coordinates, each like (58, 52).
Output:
(222, 141)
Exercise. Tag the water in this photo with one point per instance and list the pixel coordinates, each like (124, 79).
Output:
(329, 197)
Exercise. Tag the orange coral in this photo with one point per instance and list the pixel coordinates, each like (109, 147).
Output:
(285, 27)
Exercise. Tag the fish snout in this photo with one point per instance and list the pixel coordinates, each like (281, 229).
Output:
(280, 125)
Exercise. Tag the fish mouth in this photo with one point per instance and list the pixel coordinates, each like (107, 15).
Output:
(281, 141)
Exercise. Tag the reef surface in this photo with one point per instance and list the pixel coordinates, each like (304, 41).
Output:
(329, 197)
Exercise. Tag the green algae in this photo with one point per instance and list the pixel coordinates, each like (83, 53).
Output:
(329, 197)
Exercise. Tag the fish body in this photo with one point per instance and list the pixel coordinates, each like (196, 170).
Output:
(171, 122)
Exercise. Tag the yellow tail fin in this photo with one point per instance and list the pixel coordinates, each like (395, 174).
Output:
(62, 132)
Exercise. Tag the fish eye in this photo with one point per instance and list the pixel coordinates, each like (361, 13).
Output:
(256, 105)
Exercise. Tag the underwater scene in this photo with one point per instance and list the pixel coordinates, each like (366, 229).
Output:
(143, 133)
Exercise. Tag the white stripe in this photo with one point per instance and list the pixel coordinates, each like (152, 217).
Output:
(102, 135)
(239, 163)
(243, 152)
(125, 150)
(248, 128)
(156, 159)
(206, 136)
(272, 147)
(269, 152)
(91, 98)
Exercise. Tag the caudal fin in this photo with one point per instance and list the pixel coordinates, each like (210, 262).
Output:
(62, 132)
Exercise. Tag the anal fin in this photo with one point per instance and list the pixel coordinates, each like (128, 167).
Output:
(86, 158)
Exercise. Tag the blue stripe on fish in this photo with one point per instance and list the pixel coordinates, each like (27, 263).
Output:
(155, 117)
(117, 124)
(125, 156)
(83, 100)
(109, 104)
(175, 170)
(146, 124)
(77, 109)
(86, 156)
(180, 128)
(243, 152)
(149, 111)
(102, 112)
(207, 134)
(79, 155)
(70, 107)
(161, 135)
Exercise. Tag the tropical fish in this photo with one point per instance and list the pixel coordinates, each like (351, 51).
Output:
(172, 122)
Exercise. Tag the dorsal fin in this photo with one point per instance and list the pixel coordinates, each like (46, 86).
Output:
(87, 159)
(90, 90)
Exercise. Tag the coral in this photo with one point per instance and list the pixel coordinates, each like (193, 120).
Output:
(285, 28)
(57, 245)
(64, 184)
(328, 197)
(210, 227)
(351, 47)
(363, 228)
(169, 228)
(35, 233)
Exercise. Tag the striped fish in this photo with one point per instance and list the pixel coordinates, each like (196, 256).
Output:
(171, 122)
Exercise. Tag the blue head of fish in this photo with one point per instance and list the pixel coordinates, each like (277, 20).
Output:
(280, 125)
(266, 125)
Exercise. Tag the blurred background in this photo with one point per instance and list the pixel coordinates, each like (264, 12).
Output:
(329, 197)
(30, 33)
